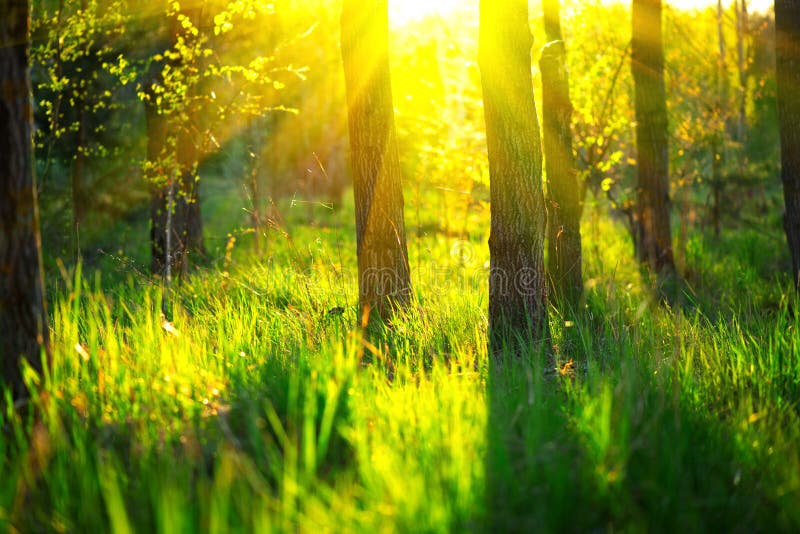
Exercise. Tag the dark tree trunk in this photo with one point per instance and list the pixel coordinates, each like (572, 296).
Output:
(517, 284)
(158, 178)
(787, 25)
(184, 226)
(23, 320)
(383, 270)
(718, 149)
(187, 219)
(77, 178)
(184, 223)
(653, 235)
(79, 166)
(176, 230)
(564, 259)
(742, 30)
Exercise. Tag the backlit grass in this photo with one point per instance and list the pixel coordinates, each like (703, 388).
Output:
(258, 405)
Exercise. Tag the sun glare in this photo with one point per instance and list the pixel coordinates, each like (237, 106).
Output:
(404, 11)
(752, 5)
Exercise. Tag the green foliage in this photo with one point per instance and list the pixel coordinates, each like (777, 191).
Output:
(203, 86)
(202, 70)
(261, 407)
(81, 111)
(75, 50)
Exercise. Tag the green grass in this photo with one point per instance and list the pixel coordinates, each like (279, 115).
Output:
(260, 410)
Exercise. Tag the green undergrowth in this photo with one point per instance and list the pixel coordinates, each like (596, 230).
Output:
(256, 404)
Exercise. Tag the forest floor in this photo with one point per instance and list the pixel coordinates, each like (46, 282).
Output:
(259, 405)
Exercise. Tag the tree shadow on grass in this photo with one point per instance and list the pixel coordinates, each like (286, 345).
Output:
(619, 449)
(278, 428)
(291, 410)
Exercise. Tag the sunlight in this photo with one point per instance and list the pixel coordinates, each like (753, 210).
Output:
(381, 265)
(403, 11)
(752, 5)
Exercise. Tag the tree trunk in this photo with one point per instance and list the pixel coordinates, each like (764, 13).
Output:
(517, 284)
(187, 219)
(78, 167)
(77, 178)
(787, 25)
(718, 149)
(23, 319)
(564, 202)
(653, 235)
(742, 29)
(176, 230)
(383, 270)
(183, 225)
(157, 176)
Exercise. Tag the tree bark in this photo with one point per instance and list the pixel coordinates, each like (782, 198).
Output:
(383, 270)
(79, 166)
(718, 149)
(176, 229)
(156, 126)
(653, 234)
(564, 256)
(787, 25)
(188, 221)
(77, 178)
(184, 223)
(517, 284)
(742, 30)
(23, 319)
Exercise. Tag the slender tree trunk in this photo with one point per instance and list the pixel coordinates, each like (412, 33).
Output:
(23, 319)
(156, 124)
(653, 234)
(551, 10)
(517, 284)
(564, 194)
(187, 219)
(383, 270)
(742, 23)
(176, 229)
(787, 25)
(174, 212)
(77, 178)
(78, 167)
(718, 149)
(257, 134)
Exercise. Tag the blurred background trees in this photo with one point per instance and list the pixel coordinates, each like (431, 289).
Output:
(256, 93)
